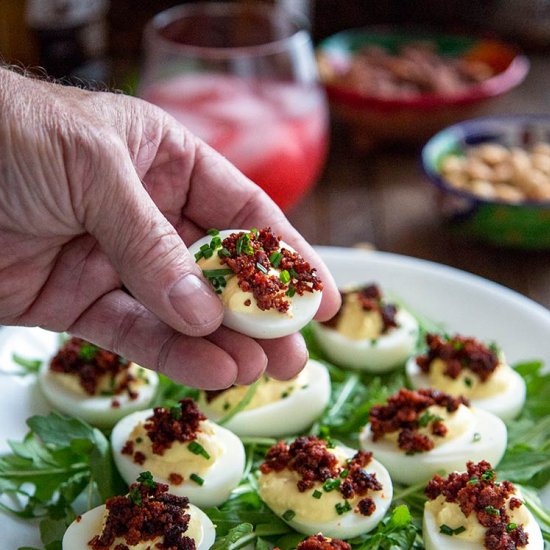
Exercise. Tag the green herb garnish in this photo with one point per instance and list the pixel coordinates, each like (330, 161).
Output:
(197, 479)
(197, 449)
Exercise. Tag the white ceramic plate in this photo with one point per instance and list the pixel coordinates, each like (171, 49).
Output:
(462, 302)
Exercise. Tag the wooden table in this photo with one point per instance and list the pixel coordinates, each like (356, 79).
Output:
(384, 199)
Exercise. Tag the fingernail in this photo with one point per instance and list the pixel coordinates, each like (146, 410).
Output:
(195, 301)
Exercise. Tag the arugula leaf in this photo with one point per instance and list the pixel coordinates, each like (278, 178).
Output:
(170, 393)
(29, 366)
(235, 538)
(57, 461)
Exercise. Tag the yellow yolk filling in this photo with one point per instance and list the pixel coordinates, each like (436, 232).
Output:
(356, 323)
(468, 383)
(450, 514)
(233, 297)
(279, 490)
(458, 423)
(194, 531)
(105, 384)
(267, 391)
(178, 459)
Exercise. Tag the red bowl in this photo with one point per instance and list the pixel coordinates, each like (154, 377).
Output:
(413, 119)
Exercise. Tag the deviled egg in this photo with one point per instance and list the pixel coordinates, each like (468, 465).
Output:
(461, 365)
(368, 333)
(147, 517)
(268, 290)
(418, 433)
(319, 488)
(94, 384)
(276, 407)
(472, 511)
(180, 447)
(320, 542)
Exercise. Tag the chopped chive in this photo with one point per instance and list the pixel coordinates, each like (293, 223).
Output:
(216, 242)
(331, 484)
(446, 530)
(254, 232)
(139, 440)
(487, 475)
(284, 395)
(293, 273)
(198, 255)
(468, 381)
(492, 511)
(208, 253)
(344, 473)
(261, 268)
(289, 515)
(427, 417)
(373, 342)
(475, 439)
(197, 449)
(473, 481)
(146, 478)
(291, 291)
(317, 494)
(87, 352)
(284, 276)
(511, 526)
(215, 273)
(134, 496)
(224, 253)
(342, 508)
(213, 232)
(175, 411)
(226, 406)
(275, 259)
(197, 479)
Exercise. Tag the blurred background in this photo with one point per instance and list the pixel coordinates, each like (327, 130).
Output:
(370, 188)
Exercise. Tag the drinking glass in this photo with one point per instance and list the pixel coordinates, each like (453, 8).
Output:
(242, 77)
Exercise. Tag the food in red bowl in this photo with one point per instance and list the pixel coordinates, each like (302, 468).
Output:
(403, 87)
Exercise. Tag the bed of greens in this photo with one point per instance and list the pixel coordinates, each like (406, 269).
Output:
(63, 466)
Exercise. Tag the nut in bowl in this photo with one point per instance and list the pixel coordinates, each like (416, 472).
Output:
(493, 179)
(392, 86)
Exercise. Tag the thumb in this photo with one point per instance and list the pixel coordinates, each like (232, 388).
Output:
(149, 255)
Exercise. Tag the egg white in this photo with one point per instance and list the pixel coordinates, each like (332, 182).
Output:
(434, 540)
(290, 415)
(98, 409)
(390, 350)
(506, 404)
(79, 533)
(349, 524)
(447, 457)
(219, 480)
(270, 323)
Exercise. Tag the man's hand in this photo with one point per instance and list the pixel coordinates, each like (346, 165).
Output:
(98, 194)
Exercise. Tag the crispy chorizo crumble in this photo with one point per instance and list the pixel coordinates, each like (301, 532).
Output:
(146, 513)
(251, 256)
(166, 425)
(406, 412)
(311, 458)
(318, 542)
(371, 299)
(458, 353)
(90, 364)
(477, 491)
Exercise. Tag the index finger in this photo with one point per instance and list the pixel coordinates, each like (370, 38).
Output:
(221, 196)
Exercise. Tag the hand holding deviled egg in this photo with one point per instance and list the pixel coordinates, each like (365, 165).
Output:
(268, 290)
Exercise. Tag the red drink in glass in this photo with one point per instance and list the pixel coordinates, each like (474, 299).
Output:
(244, 79)
(274, 132)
